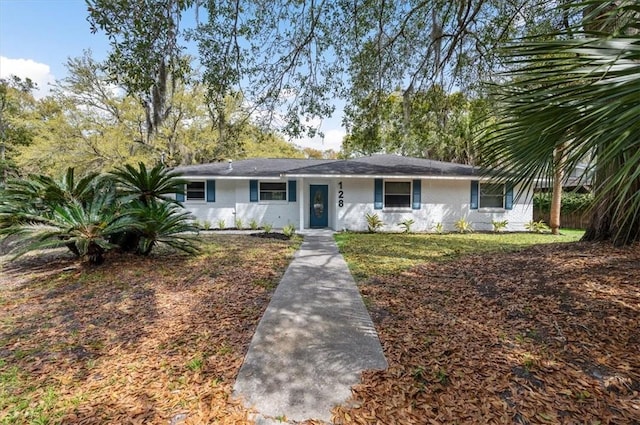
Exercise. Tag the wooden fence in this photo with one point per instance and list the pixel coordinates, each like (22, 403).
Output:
(572, 220)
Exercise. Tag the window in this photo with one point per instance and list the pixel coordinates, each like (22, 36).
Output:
(273, 191)
(491, 195)
(397, 194)
(195, 191)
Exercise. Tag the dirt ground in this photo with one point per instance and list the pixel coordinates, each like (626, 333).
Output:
(547, 335)
(135, 340)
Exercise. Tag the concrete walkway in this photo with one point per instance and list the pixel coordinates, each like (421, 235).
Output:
(313, 341)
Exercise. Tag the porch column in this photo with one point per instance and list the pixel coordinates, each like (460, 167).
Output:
(301, 202)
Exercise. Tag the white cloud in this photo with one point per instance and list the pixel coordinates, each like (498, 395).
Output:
(39, 73)
(332, 140)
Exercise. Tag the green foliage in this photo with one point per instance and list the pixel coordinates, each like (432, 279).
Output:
(289, 230)
(537, 226)
(147, 186)
(267, 227)
(319, 50)
(86, 228)
(222, 224)
(253, 224)
(571, 202)
(440, 125)
(499, 226)
(438, 228)
(239, 224)
(95, 214)
(206, 225)
(463, 225)
(85, 122)
(406, 225)
(17, 106)
(374, 222)
(195, 364)
(576, 89)
(441, 376)
(163, 223)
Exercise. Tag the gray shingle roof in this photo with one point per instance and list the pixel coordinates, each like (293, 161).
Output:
(258, 167)
(387, 165)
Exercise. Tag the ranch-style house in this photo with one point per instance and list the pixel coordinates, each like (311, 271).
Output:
(338, 194)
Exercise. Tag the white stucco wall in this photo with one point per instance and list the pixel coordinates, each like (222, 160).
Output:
(276, 213)
(442, 201)
(222, 209)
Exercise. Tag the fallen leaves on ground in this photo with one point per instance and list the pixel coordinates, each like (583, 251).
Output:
(136, 340)
(548, 335)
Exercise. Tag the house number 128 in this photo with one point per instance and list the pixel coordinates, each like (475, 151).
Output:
(340, 195)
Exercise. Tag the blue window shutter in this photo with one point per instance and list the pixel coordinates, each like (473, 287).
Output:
(508, 197)
(292, 190)
(377, 194)
(417, 194)
(211, 191)
(180, 196)
(474, 195)
(253, 190)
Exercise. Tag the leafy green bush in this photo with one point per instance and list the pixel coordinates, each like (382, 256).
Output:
(374, 222)
(163, 223)
(406, 225)
(571, 202)
(126, 209)
(537, 226)
(463, 225)
(253, 225)
(438, 228)
(289, 230)
(499, 226)
(239, 224)
(222, 224)
(267, 227)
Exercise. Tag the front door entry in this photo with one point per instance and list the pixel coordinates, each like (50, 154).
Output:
(319, 214)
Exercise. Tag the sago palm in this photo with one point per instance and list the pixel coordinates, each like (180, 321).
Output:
(579, 90)
(84, 227)
(147, 185)
(163, 223)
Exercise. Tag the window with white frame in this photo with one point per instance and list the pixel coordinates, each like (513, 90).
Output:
(196, 191)
(492, 195)
(273, 191)
(397, 194)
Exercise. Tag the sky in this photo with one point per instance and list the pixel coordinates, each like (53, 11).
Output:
(38, 36)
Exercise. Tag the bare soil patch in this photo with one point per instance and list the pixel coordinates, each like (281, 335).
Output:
(136, 340)
(547, 335)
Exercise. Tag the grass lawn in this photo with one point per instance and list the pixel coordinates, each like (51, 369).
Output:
(375, 254)
(135, 340)
(499, 329)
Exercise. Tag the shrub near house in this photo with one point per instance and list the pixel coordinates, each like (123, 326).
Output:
(126, 209)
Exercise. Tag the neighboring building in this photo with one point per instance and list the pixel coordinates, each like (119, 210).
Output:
(580, 180)
(338, 194)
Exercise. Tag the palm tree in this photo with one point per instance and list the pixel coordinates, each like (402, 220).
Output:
(165, 223)
(147, 185)
(577, 91)
(144, 195)
(83, 227)
(125, 210)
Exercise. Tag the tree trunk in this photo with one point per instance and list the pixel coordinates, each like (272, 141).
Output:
(618, 221)
(556, 198)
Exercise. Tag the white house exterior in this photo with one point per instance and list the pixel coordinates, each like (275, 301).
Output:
(338, 194)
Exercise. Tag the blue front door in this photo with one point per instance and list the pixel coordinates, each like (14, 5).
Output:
(318, 197)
